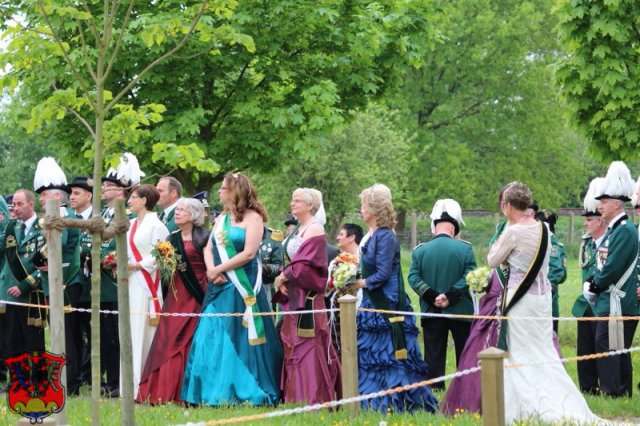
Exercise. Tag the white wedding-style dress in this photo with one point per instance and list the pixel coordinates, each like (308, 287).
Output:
(537, 387)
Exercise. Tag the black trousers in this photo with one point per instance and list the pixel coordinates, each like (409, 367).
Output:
(109, 347)
(84, 325)
(20, 336)
(615, 372)
(73, 340)
(587, 370)
(3, 351)
(435, 332)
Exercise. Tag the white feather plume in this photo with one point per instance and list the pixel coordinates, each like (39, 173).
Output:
(129, 170)
(618, 182)
(451, 207)
(48, 174)
(590, 202)
(634, 198)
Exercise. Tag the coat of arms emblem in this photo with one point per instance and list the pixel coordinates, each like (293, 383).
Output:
(35, 390)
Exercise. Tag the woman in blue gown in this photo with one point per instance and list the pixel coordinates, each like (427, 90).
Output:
(235, 359)
(388, 351)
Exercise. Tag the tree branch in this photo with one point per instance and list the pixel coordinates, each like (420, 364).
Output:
(158, 60)
(84, 50)
(116, 49)
(92, 27)
(74, 70)
(230, 94)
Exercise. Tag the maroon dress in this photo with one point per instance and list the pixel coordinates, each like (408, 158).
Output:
(161, 380)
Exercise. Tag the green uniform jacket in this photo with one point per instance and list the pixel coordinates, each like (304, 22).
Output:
(169, 221)
(85, 264)
(616, 253)
(587, 261)
(271, 255)
(441, 266)
(4, 219)
(108, 281)
(27, 249)
(557, 272)
(70, 255)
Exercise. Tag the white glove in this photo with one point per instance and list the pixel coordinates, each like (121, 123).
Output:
(589, 295)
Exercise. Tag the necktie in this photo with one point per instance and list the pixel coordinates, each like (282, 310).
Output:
(162, 216)
(21, 232)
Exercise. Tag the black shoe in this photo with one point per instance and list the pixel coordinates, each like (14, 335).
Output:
(114, 393)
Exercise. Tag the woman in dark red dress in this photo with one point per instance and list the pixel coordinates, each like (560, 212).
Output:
(163, 372)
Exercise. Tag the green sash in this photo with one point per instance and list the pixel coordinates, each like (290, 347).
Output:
(380, 302)
(184, 268)
(239, 278)
(13, 259)
(523, 287)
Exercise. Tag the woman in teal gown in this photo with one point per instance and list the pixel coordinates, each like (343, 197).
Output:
(234, 359)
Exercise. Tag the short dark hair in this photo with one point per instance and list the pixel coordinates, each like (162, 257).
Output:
(353, 229)
(149, 192)
(173, 184)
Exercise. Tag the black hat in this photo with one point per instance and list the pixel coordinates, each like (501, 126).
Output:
(290, 220)
(48, 176)
(9, 200)
(203, 197)
(83, 182)
(112, 176)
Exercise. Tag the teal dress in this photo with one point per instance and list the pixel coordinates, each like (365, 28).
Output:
(223, 368)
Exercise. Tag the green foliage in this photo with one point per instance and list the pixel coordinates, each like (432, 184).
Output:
(487, 112)
(600, 73)
(369, 149)
(254, 79)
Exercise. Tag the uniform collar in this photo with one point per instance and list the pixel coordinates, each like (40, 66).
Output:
(85, 214)
(28, 224)
(169, 209)
(616, 219)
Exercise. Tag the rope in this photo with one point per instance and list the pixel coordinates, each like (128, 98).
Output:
(360, 398)
(94, 225)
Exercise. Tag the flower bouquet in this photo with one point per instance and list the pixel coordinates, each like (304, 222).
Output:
(342, 272)
(166, 260)
(110, 263)
(478, 281)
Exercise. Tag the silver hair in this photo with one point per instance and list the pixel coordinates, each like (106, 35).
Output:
(194, 207)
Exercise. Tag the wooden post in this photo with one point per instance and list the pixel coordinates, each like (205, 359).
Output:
(491, 361)
(414, 230)
(349, 349)
(124, 323)
(570, 236)
(56, 295)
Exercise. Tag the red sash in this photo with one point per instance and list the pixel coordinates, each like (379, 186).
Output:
(152, 284)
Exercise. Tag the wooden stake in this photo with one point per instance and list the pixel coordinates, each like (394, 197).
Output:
(349, 349)
(491, 361)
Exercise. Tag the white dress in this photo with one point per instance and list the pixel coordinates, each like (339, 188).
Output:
(543, 392)
(148, 232)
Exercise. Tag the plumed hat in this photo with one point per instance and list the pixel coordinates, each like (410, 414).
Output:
(83, 182)
(446, 210)
(618, 183)
(127, 174)
(590, 202)
(634, 198)
(49, 175)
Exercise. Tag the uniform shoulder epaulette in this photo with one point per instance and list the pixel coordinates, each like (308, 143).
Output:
(418, 246)
(466, 242)
(176, 231)
(276, 235)
(560, 244)
(586, 236)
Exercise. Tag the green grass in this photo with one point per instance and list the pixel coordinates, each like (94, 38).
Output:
(79, 408)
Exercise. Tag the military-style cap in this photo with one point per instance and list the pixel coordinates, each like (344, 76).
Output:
(617, 184)
(83, 182)
(290, 220)
(49, 175)
(128, 173)
(446, 210)
(590, 202)
(203, 198)
(9, 200)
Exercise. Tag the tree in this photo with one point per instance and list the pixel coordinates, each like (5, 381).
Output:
(369, 149)
(600, 73)
(486, 111)
(253, 82)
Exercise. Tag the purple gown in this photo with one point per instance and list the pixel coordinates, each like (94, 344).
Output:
(465, 392)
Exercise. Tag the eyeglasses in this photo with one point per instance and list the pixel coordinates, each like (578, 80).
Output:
(133, 197)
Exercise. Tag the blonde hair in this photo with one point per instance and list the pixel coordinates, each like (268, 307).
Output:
(312, 197)
(377, 200)
(518, 195)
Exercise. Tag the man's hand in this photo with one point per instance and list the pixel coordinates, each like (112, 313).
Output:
(441, 301)
(14, 291)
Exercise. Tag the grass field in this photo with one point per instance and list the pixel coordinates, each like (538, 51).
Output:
(78, 408)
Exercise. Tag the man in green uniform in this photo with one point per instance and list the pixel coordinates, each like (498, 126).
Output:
(596, 228)
(612, 290)
(80, 201)
(438, 275)
(20, 247)
(170, 190)
(272, 257)
(557, 263)
(50, 183)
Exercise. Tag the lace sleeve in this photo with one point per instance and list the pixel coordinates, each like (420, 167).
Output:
(502, 248)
